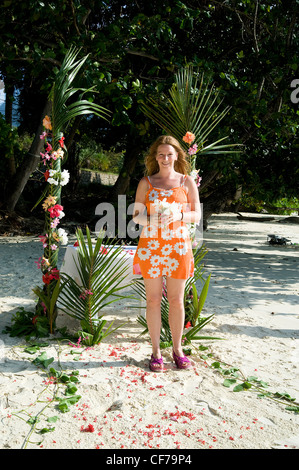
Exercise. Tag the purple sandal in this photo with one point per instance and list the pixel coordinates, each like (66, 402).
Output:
(156, 365)
(181, 362)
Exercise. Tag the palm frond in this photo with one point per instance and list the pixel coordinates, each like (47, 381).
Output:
(192, 335)
(62, 111)
(100, 275)
(192, 105)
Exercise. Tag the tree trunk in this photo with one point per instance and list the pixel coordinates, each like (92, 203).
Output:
(122, 183)
(29, 165)
(9, 91)
(219, 199)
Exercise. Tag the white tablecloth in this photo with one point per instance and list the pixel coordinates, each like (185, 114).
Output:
(71, 258)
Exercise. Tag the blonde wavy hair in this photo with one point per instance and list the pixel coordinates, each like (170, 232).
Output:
(181, 165)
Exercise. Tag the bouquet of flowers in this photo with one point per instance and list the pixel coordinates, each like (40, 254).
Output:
(168, 208)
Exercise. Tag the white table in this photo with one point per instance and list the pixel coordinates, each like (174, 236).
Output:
(71, 258)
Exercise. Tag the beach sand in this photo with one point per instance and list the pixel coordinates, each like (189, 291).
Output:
(253, 295)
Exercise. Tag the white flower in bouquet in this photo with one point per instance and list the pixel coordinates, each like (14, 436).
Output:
(165, 207)
(168, 208)
(62, 236)
(160, 206)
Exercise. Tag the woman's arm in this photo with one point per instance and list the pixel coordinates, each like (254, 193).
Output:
(139, 212)
(193, 214)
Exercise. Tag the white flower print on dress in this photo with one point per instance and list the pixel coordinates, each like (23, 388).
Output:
(154, 272)
(182, 232)
(155, 260)
(166, 272)
(150, 231)
(172, 264)
(166, 250)
(166, 192)
(144, 253)
(181, 248)
(153, 195)
(153, 244)
(166, 233)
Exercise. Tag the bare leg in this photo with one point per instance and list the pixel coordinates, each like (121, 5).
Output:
(175, 296)
(153, 289)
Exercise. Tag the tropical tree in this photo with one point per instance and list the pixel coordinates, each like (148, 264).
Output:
(248, 48)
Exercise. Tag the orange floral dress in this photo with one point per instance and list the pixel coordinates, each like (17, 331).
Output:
(165, 251)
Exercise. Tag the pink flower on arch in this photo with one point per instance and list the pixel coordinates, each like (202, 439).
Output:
(61, 141)
(192, 150)
(45, 157)
(55, 211)
(85, 293)
(55, 222)
(49, 276)
(38, 263)
(43, 239)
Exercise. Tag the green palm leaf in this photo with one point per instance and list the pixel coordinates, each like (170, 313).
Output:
(191, 106)
(100, 273)
(62, 111)
(192, 335)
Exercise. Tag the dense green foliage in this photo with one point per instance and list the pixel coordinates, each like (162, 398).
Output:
(247, 48)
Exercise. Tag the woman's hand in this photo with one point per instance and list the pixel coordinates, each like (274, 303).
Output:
(154, 219)
(167, 219)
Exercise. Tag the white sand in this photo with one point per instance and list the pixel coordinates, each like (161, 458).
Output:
(254, 296)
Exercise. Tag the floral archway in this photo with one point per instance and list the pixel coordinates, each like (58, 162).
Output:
(67, 102)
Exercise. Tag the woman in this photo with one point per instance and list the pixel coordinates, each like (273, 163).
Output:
(164, 247)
